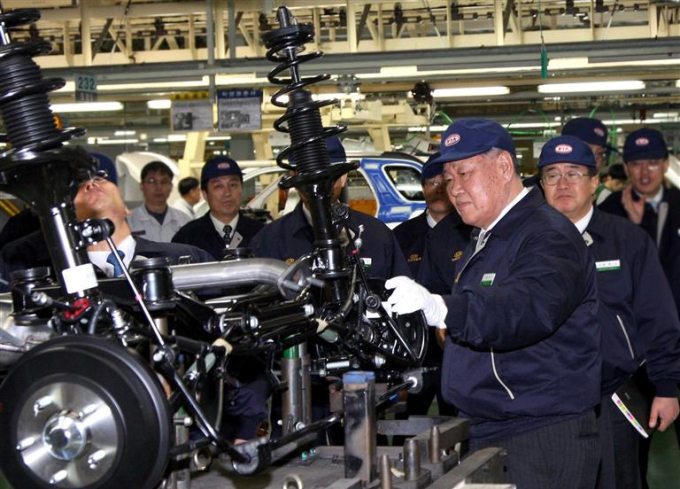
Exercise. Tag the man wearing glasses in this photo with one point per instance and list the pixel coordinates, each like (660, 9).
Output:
(411, 234)
(154, 219)
(648, 202)
(637, 313)
(522, 357)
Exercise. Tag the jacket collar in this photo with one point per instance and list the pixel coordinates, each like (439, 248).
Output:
(517, 215)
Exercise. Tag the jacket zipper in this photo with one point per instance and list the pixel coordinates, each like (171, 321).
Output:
(625, 333)
(495, 372)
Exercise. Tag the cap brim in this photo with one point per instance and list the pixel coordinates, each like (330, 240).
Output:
(451, 156)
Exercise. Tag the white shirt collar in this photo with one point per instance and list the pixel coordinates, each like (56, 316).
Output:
(507, 208)
(582, 223)
(219, 225)
(98, 258)
(656, 200)
(430, 220)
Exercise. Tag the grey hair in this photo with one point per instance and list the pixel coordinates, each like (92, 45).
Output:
(493, 153)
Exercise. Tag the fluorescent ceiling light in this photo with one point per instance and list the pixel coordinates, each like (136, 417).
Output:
(104, 141)
(87, 107)
(530, 125)
(70, 86)
(666, 115)
(423, 129)
(324, 96)
(604, 86)
(177, 137)
(125, 133)
(470, 91)
(219, 138)
(677, 83)
(163, 103)
(160, 140)
(238, 79)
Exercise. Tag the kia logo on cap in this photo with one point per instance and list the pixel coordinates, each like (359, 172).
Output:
(599, 132)
(641, 142)
(563, 149)
(451, 140)
(223, 166)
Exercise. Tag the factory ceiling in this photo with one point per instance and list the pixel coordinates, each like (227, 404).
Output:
(376, 52)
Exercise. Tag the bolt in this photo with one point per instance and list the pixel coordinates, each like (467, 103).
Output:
(25, 443)
(87, 410)
(94, 459)
(299, 425)
(187, 421)
(57, 477)
(41, 404)
(253, 322)
(308, 310)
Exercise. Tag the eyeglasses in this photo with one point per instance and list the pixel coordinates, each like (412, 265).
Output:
(433, 183)
(98, 178)
(152, 181)
(651, 165)
(572, 177)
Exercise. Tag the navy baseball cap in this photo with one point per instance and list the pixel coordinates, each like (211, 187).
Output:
(107, 165)
(219, 167)
(336, 152)
(466, 138)
(431, 171)
(592, 131)
(567, 149)
(645, 144)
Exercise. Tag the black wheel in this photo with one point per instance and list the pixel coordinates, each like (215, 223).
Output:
(82, 411)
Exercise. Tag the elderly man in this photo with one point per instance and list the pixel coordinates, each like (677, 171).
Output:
(98, 197)
(154, 219)
(637, 313)
(522, 355)
(649, 203)
(224, 226)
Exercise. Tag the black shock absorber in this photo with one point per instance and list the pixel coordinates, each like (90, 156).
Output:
(308, 157)
(38, 169)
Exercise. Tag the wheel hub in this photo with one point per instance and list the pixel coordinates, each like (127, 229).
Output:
(67, 434)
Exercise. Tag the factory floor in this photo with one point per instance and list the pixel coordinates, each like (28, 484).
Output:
(664, 464)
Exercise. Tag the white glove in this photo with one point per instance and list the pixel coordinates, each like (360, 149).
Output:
(408, 297)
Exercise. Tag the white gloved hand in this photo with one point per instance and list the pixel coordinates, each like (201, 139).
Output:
(408, 297)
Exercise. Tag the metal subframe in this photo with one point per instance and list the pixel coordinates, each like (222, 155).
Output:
(429, 459)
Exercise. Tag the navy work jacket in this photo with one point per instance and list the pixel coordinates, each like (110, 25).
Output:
(202, 233)
(444, 247)
(669, 242)
(638, 317)
(290, 237)
(411, 238)
(523, 343)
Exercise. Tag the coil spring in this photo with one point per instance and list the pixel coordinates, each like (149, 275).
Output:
(24, 103)
(302, 119)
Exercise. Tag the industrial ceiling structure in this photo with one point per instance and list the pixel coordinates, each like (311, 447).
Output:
(398, 68)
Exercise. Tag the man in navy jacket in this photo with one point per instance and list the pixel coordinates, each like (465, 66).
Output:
(648, 202)
(522, 355)
(411, 234)
(223, 226)
(637, 313)
(97, 198)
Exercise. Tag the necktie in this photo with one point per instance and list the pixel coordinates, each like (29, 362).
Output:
(481, 240)
(227, 234)
(117, 269)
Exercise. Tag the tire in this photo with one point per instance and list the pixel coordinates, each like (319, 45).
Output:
(88, 413)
